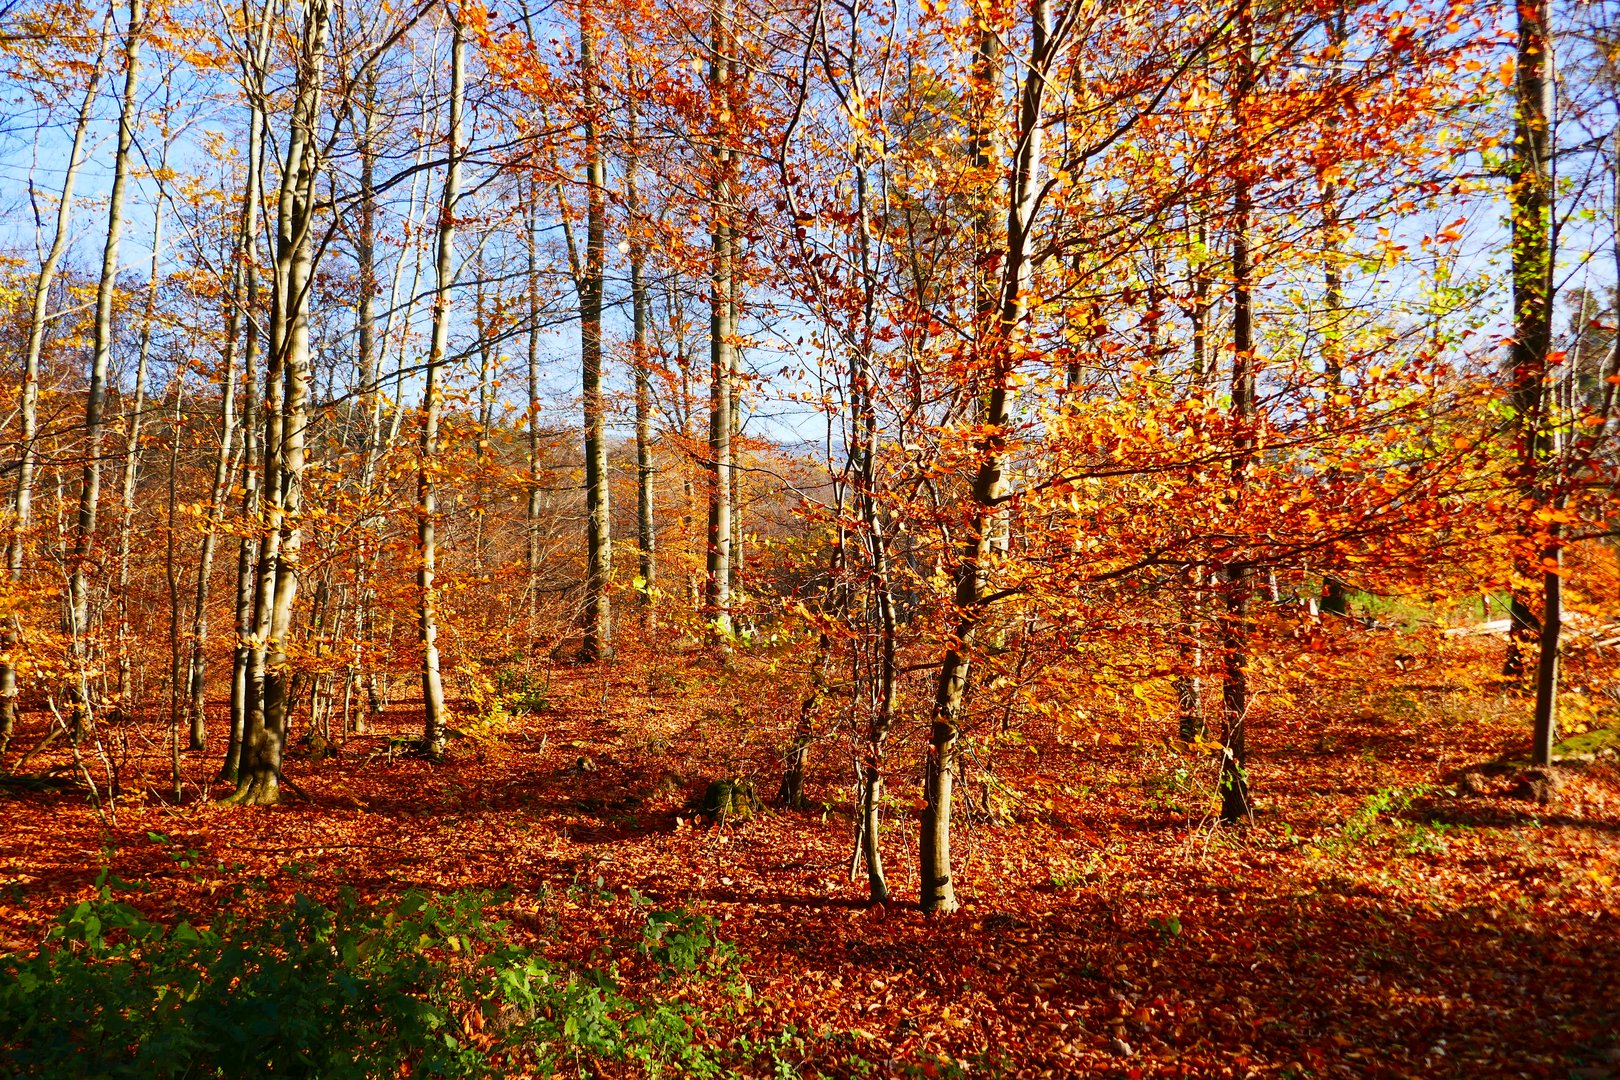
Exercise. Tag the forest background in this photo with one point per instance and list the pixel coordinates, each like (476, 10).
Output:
(926, 419)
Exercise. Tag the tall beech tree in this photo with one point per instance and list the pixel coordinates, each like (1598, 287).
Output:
(286, 421)
(722, 309)
(1000, 340)
(1530, 199)
(641, 363)
(434, 715)
(1238, 575)
(84, 535)
(590, 283)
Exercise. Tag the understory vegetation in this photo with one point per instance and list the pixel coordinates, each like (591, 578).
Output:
(425, 986)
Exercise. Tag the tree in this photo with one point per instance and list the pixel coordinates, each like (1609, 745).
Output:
(28, 405)
(1530, 220)
(589, 283)
(1235, 628)
(722, 330)
(286, 419)
(998, 347)
(434, 733)
(84, 537)
(641, 361)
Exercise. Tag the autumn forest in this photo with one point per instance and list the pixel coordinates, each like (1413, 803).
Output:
(825, 538)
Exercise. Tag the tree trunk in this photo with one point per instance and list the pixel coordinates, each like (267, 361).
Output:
(735, 427)
(247, 546)
(536, 496)
(371, 399)
(641, 351)
(888, 683)
(28, 407)
(78, 610)
(790, 795)
(598, 643)
(434, 715)
(998, 350)
(286, 417)
(1335, 598)
(1530, 217)
(171, 578)
(241, 269)
(378, 443)
(1189, 681)
(721, 281)
(1235, 628)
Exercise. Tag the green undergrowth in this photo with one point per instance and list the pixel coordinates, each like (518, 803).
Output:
(1381, 817)
(1594, 740)
(427, 986)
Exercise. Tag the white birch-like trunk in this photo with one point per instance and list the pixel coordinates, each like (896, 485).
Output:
(434, 717)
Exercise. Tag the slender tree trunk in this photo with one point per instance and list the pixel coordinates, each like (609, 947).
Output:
(640, 302)
(863, 460)
(78, 610)
(197, 669)
(886, 692)
(998, 351)
(379, 444)
(536, 496)
(598, 643)
(938, 891)
(28, 406)
(217, 493)
(486, 314)
(434, 715)
(734, 397)
(1189, 681)
(1530, 203)
(694, 593)
(132, 460)
(790, 795)
(721, 364)
(1335, 599)
(371, 399)
(718, 570)
(171, 577)
(247, 549)
(735, 427)
(888, 683)
(1235, 628)
(484, 325)
(485, 317)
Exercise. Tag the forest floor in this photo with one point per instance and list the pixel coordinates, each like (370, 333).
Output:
(1378, 917)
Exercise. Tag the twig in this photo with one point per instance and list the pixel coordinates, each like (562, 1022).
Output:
(50, 737)
(78, 763)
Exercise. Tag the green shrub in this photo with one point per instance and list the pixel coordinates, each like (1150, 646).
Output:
(731, 800)
(426, 986)
(523, 691)
(684, 943)
(1363, 827)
